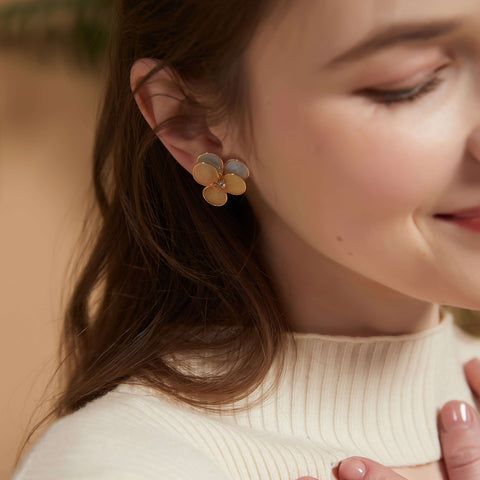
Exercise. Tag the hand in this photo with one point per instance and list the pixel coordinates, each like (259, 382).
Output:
(459, 437)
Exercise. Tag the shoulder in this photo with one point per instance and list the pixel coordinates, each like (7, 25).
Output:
(117, 436)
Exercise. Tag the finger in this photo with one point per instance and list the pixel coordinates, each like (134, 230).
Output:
(359, 468)
(472, 372)
(460, 439)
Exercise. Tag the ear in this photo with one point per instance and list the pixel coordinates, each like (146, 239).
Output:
(160, 99)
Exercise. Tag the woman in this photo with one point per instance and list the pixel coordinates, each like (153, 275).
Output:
(274, 334)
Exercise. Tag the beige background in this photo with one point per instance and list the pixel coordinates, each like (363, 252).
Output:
(47, 114)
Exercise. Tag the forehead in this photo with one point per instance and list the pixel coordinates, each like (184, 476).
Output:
(316, 30)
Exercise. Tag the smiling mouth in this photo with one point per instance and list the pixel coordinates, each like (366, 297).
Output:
(465, 213)
(445, 216)
(471, 223)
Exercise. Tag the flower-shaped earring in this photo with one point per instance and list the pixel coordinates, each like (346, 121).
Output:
(220, 179)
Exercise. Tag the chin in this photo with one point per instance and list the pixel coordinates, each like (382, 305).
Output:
(463, 302)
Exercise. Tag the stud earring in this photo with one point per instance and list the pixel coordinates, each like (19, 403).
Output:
(219, 178)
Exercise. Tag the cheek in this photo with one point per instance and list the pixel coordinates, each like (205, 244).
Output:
(351, 159)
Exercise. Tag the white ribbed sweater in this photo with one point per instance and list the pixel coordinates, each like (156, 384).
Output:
(339, 396)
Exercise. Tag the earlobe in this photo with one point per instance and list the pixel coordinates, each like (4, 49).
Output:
(159, 99)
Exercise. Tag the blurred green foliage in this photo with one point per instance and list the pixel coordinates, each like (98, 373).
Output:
(78, 28)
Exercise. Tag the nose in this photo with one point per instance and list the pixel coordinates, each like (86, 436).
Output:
(474, 144)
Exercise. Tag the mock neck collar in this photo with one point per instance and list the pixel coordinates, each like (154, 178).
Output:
(376, 397)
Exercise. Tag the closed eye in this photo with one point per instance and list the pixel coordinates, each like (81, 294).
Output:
(392, 97)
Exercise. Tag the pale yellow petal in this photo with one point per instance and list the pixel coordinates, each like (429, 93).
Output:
(234, 184)
(205, 174)
(215, 195)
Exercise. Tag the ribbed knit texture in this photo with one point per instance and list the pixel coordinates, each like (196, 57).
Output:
(376, 397)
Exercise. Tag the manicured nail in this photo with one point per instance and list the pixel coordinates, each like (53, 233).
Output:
(352, 469)
(456, 416)
(475, 362)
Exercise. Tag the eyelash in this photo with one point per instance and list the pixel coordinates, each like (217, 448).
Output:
(395, 97)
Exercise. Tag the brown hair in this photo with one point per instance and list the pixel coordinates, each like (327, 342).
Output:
(178, 276)
(168, 274)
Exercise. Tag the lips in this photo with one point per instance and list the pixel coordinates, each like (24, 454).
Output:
(465, 213)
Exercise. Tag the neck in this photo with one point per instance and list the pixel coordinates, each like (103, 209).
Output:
(321, 296)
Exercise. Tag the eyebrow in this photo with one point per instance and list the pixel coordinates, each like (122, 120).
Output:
(393, 35)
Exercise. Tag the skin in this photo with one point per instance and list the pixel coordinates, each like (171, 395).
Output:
(345, 188)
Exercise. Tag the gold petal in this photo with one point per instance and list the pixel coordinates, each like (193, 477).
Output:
(215, 195)
(234, 184)
(213, 160)
(205, 174)
(238, 168)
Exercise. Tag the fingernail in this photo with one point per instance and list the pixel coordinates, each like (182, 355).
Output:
(475, 362)
(456, 416)
(352, 469)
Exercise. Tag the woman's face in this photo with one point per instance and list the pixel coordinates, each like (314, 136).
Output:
(355, 174)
